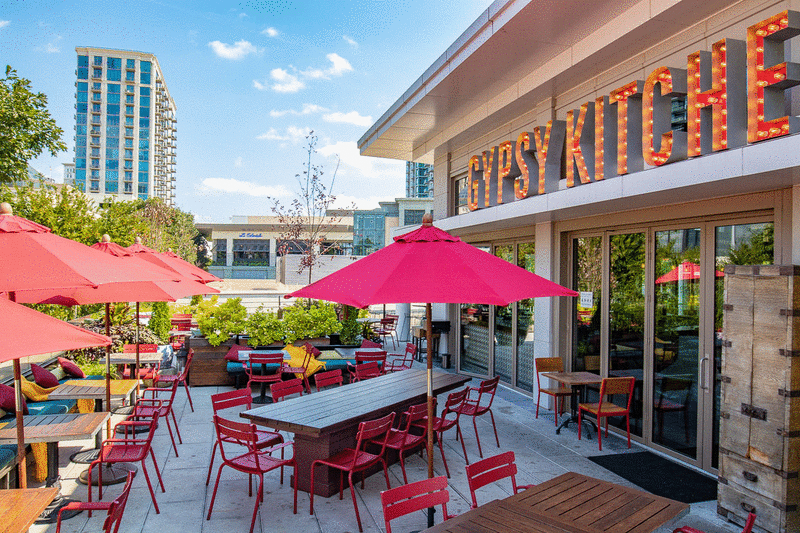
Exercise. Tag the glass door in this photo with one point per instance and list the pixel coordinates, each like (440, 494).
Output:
(504, 327)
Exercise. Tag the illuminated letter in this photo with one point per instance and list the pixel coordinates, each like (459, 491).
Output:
(717, 98)
(475, 170)
(629, 127)
(524, 159)
(657, 117)
(489, 172)
(508, 168)
(605, 129)
(768, 76)
(548, 152)
(579, 146)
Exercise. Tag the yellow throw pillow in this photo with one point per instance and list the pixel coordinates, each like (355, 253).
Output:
(34, 392)
(297, 356)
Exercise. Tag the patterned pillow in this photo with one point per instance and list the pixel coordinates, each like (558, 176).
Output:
(71, 368)
(311, 348)
(43, 377)
(7, 402)
(298, 356)
(233, 353)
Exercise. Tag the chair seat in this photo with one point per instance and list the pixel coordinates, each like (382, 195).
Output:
(439, 424)
(608, 409)
(344, 459)
(145, 411)
(557, 391)
(257, 463)
(395, 439)
(168, 379)
(471, 409)
(123, 453)
(669, 405)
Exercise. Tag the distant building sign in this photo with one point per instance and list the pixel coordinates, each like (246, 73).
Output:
(734, 96)
(247, 235)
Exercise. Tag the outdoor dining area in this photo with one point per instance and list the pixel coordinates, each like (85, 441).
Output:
(175, 457)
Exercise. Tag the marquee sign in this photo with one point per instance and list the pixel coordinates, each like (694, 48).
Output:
(734, 95)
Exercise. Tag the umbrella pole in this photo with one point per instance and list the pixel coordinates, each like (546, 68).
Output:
(428, 335)
(136, 366)
(108, 369)
(22, 471)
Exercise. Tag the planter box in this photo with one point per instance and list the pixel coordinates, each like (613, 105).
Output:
(209, 366)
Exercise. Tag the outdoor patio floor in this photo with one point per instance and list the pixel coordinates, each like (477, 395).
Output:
(540, 455)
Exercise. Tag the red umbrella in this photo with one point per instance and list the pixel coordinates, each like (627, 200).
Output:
(42, 334)
(686, 271)
(172, 261)
(430, 265)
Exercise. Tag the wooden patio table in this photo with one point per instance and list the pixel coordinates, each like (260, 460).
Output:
(21, 507)
(577, 381)
(52, 429)
(326, 422)
(570, 503)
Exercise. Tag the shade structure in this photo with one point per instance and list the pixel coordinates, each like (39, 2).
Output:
(25, 332)
(686, 271)
(430, 265)
(171, 261)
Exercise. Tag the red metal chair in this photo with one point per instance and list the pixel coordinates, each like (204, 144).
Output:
(256, 364)
(128, 449)
(326, 379)
(551, 364)
(281, 389)
(748, 526)
(285, 369)
(154, 402)
(143, 348)
(356, 459)
(402, 439)
(252, 462)
(180, 378)
(387, 328)
(148, 372)
(605, 409)
(366, 343)
(362, 358)
(242, 398)
(443, 423)
(402, 361)
(413, 497)
(491, 469)
(114, 509)
(364, 371)
(474, 408)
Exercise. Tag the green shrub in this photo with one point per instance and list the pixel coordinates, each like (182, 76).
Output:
(159, 320)
(218, 323)
(263, 328)
(350, 327)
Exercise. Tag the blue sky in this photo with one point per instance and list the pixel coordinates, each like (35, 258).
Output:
(249, 79)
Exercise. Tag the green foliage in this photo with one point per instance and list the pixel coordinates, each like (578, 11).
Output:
(318, 320)
(220, 322)
(93, 367)
(263, 328)
(159, 320)
(26, 127)
(350, 327)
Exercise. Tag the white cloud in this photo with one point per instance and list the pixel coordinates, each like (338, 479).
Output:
(285, 82)
(4, 23)
(270, 32)
(339, 66)
(353, 117)
(238, 162)
(344, 201)
(293, 135)
(350, 41)
(308, 109)
(242, 15)
(372, 168)
(234, 186)
(238, 50)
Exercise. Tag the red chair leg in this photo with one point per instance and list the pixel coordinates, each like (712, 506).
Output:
(599, 431)
(355, 504)
(150, 486)
(311, 494)
(158, 473)
(538, 399)
(189, 396)
(496, 438)
(444, 459)
(463, 446)
(386, 474)
(259, 498)
(477, 437)
(216, 485)
(580, 422)
(211, 464)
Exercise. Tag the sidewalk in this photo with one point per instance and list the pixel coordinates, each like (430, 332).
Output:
(540, 455)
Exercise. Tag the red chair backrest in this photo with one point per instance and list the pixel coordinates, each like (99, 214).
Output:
(143, 348)
(372, 430)
(488, 387)
(117, 507)
(232, 431)
(281, 389)
(367, 370)
(370, 344)
(234, 398)
(331, 377)
(258, 359)
(613, 386)
(364, 357)
(547, 364)
(185, 371)
(412, 497)
(489, 470)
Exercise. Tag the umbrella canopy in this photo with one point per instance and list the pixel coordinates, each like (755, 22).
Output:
(42, 334)
(686, 271)
(44, 261)
(430, 265)
(171, 261)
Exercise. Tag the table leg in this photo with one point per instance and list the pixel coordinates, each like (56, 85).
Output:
(50, 514)
(262, 398)
(578, 396)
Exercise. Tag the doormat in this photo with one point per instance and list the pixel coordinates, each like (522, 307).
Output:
(660, 476)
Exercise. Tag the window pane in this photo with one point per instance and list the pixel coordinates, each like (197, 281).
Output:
(503, 330)
(526, 258)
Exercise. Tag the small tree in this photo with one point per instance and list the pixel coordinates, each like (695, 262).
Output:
(159, 320)
(307, 223)
(26, 127)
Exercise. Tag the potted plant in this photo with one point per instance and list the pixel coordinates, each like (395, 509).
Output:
(223, 321)
(263, 328)
(312, 323)
(217, 323)
(350, 328)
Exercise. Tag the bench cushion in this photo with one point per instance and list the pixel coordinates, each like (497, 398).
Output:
(43, 377)
(71, 368)
(7, 401)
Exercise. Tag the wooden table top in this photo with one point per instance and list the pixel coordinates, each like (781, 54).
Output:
(54, 428)
(92, 389)
(21, 507)
(573, 378)
(337, 408)
(572, 503)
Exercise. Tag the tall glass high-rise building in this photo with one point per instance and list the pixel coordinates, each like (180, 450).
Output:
(419, 180)
(125, 126)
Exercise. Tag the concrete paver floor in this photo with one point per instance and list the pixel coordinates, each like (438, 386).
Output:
(540, 455)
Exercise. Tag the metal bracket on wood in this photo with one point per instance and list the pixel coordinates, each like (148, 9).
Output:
(726, 416)
(789, 353)
(754, 412)
(789, 434)
(727, 307)
(790, 312)
(783, 507)
(727, 344)
(724, 379)
(722, 480)
(789, 393)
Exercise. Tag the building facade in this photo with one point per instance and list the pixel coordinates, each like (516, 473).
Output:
(125, 126)
(419, 180)
(629, 151)
(69, 174)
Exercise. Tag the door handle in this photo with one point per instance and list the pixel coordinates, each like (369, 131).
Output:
(703, 378)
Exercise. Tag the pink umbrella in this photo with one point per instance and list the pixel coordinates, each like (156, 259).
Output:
(172, 261)
(686, 271)
(42, 334)
(430, 265)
